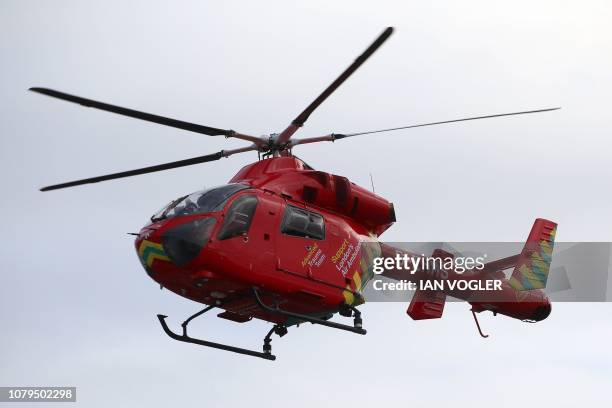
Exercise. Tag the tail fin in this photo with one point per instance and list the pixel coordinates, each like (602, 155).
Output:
(531, 270)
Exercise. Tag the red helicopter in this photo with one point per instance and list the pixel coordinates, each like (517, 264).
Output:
(267, 245)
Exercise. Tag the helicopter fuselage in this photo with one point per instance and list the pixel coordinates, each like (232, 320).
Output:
(294, 233)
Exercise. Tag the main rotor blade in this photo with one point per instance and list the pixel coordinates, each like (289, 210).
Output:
(192, 127)
(343, 135)
(151, 169)
(335, 136)
(302, 117)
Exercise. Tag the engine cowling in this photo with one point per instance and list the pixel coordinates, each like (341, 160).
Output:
(292, 178)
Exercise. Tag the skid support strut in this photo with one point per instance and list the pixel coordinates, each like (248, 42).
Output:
(357, 322)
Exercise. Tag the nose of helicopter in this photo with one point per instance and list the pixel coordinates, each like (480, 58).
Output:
(165, 245)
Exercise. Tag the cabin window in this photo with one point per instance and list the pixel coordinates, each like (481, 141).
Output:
(238, 218)
(303, 223)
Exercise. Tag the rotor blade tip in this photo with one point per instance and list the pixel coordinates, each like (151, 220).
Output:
(39, 90)
(387, 33)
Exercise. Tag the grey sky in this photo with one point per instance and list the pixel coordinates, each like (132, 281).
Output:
(75, 305)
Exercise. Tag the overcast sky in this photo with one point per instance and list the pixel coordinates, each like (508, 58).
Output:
(77, 308)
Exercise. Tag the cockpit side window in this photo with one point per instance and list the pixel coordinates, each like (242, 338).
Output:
(302, 223)
(238, 218)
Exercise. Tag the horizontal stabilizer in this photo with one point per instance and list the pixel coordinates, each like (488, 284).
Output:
(426, 304)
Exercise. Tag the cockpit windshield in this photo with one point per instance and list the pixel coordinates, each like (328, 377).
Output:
(204, 201)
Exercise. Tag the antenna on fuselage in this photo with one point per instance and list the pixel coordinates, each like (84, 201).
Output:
(372, 181)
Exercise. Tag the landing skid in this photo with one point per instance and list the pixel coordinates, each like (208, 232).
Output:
(279, 329)
(267, 347)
